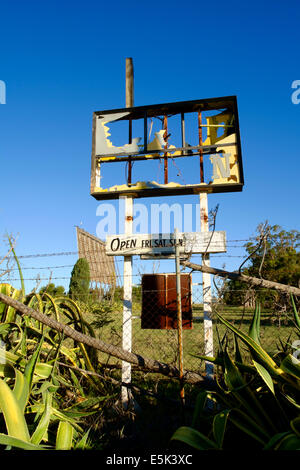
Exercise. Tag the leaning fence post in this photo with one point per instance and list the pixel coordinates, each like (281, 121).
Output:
(179, 313)
(207, 297)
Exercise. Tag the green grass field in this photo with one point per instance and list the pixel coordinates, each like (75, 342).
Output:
(162, 345)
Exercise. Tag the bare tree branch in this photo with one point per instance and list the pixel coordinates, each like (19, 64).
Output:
(254, 281)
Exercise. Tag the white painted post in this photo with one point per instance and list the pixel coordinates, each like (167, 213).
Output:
(179, 313)
(206, 279)
(127, 281)
(127, 305)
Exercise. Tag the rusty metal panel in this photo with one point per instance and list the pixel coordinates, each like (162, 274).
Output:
(153, 301)
(159, 308)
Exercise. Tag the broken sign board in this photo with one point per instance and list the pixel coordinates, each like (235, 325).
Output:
(184, 147)
(163, 244)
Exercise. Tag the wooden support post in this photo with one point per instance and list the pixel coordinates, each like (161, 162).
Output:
(127, 305)
(129, 104)
(207, 297)
(127, 281)
(179, 314)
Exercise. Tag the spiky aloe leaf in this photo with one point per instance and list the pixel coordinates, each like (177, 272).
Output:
(21, 389)
(19, 443)
(219, 427)
(76, 382)
(11, 312)
(238, 356)
(13, 414)
(254, 330)
(83, 442)
(291, 365)
(295, 425)
(275, 440)
(64, 437)
(52, 301)
(258, 352)
(6, 289)
(31, 364)
(43, 424)
(7, 313)
(289, 442)
(249, 426)
(219, 361)
(296, 314)
(240, 389)
(199, 407)
(265, 376)
(193, 438)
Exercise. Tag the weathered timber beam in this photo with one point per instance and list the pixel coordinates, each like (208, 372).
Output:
(253, 281)
(146, 363)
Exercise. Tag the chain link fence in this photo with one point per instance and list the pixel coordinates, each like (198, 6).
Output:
(154, 331)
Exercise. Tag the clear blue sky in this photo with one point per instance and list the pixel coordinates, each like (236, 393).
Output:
(63, 60)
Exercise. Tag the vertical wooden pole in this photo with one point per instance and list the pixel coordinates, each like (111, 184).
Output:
(127, 281)
(206, 280)
(129, 104)
(179, 313)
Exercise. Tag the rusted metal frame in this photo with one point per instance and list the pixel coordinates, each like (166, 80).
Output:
(145, 131)
(200, 149)
(166, 147)
(94, 162)
(122, 157)
(182, 133)
(217, 125)
(238, 142)
(165, 190)
(211, 104)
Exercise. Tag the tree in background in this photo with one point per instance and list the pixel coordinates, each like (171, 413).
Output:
(53, 290)
(80, 281)
(273, 255)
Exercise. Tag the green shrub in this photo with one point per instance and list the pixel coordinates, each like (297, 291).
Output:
(80, 281)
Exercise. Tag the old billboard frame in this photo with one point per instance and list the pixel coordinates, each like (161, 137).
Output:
(133, 153)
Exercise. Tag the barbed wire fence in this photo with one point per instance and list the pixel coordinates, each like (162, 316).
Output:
(156, 340)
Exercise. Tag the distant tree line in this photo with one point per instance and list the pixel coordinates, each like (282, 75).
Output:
(274, 255)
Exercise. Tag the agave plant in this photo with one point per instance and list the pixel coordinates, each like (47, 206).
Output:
(29, 407)
(260, 399)
(37, 366)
